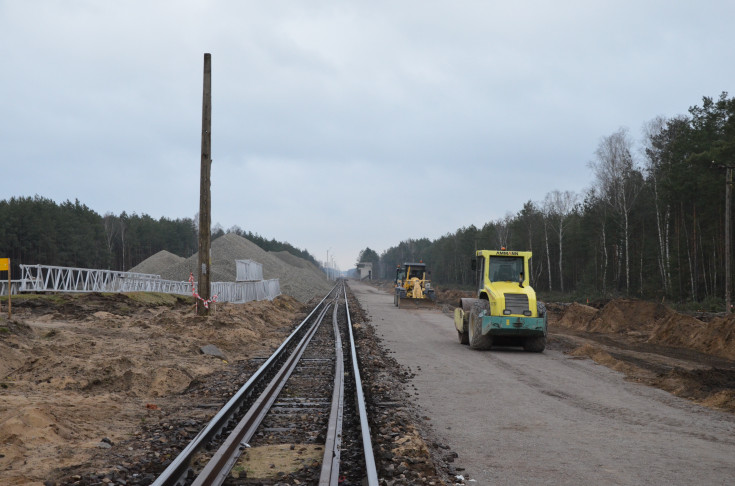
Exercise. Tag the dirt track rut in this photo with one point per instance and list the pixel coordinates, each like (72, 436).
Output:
(523, 418)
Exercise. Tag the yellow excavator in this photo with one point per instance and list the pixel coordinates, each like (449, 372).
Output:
(412, 286)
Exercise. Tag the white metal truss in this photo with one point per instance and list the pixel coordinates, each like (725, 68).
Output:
(14, 287)
(47, 278)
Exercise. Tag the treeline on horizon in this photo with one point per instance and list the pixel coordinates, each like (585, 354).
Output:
(37, 230)
(651, 224)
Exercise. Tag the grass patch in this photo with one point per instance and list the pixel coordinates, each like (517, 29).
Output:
(54, 298)
(153, 298)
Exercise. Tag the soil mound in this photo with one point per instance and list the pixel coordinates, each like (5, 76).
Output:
(654, 323)
(677, 330)
(617, 316)
(716, 337)
(452, 297)
(577, 316)
(626, 315)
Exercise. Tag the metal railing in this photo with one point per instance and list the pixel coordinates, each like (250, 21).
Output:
(240, 292)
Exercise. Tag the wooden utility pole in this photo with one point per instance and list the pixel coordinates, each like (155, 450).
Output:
(205, 198)
(728, 189)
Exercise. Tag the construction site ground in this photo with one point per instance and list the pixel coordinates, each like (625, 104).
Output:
(628, 392)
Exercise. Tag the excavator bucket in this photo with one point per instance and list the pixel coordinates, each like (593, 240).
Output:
(413, 289)
(415, 296)
(413, 303)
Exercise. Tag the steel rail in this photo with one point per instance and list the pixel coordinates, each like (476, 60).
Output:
(333, 440)
(218, 468)
(367, 446)
(176, 472)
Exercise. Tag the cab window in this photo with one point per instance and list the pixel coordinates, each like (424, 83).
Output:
(505, 269)
(416, 272)
(480, 277)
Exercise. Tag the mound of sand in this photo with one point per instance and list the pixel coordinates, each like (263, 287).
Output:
(677, 330)
(655, 323)
(716, 337)
(577, 316)
(297, 277)
(626, 315)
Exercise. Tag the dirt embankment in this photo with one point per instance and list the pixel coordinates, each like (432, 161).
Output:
(654, 344)
(654, 323)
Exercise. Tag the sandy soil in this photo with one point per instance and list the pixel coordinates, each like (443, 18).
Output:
(79, 372)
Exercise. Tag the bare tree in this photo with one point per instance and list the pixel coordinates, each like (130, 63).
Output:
(110, 222)
(529, 217)
(615, 172)
(599, 210)
(651, 131)
(547, 212)
(560, 205)
(502, 226)
(121, 229)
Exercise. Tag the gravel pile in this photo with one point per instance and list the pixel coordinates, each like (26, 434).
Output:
(157, 263)
(293, 260)
(298, 277)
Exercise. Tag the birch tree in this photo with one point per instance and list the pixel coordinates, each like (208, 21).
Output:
(615, 174)
(502, 228)
(122, 228)
(560, 205)
(548, 214)
(110, 224)
(653, 131)
(596, 208)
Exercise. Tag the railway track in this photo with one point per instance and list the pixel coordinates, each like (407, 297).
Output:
(306, 397)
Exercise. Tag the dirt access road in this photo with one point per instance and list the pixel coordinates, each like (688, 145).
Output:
(521, 418)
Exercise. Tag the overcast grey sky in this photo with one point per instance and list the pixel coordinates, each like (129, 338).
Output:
(340, 125)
